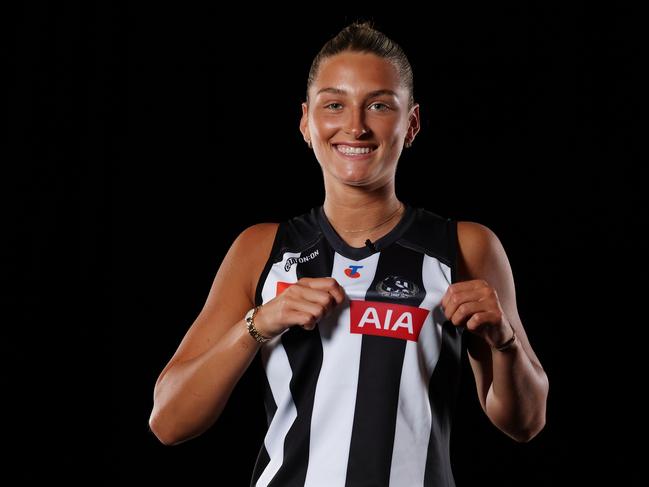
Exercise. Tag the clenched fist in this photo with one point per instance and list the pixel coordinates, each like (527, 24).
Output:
(304, 303)
(475, 304)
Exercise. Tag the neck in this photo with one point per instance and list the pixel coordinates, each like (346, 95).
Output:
(354, 209)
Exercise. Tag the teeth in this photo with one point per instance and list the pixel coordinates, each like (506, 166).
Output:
(345, 149)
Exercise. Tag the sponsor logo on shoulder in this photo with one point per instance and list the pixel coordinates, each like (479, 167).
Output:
(387, 319)
(299, 260)
(397, 287)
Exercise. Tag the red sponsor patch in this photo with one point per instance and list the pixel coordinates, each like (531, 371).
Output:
(282, 286)
(387, 319)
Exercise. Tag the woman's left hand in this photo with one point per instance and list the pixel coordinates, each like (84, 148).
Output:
(475, 304)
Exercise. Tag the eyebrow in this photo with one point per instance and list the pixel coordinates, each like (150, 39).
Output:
(371, 94)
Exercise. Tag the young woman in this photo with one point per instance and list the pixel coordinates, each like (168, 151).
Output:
(359, 307)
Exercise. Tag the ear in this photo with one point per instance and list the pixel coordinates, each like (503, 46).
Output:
(413, 123)
(304, 122)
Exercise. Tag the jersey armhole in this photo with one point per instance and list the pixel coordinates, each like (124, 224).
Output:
(269, 263)
(453, 250)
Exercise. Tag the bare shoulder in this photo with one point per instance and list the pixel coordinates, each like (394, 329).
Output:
(477, 244)
(474, 233)
(258, 235)
(232, 291)
(251, 249)
(263, 230)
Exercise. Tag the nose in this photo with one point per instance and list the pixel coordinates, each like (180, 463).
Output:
(357, 132)
(356, 125)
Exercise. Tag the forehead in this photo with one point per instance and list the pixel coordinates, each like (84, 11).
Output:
(357, 72)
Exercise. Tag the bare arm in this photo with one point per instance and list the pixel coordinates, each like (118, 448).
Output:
(194, 387)
(512, 385)
(196, 384)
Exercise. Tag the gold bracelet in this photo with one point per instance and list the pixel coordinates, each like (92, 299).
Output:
(508, 344)
(250, 324)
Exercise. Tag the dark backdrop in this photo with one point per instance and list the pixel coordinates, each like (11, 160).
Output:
(147, 138)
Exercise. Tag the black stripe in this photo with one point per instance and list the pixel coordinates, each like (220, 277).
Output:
(442, 393)
(269, 401)
(444, 384)
(304, 351)
(260, 465)
(381, 361)
(271, 407)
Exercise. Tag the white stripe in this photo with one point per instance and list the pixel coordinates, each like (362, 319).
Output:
(279, 373)
(335, 395)
(412, 432)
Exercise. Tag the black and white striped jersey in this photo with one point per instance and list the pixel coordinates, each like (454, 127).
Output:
(365, 399)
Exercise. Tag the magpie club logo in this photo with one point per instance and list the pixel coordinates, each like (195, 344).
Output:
(397, 287)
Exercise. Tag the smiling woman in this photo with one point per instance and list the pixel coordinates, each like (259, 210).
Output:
(359, 308)
(358, 117)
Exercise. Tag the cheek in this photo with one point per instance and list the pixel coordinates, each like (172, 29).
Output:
(324, 127)
(389, 127)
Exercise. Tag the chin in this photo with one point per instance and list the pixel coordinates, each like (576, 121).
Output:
(355, 179)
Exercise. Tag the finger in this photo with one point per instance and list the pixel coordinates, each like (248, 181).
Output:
(483, 317)
(338, 293)
(315, 310)
(466, 311)
(463, 286)
(323, 298)
(304, 320)
(322, 283)
(328, 284)
(454, 299)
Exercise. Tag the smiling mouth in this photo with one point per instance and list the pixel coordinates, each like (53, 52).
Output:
(349, 150)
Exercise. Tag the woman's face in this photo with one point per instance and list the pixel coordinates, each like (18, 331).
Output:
(357, 118)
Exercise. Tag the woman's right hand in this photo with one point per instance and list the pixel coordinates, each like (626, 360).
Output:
(303, 303)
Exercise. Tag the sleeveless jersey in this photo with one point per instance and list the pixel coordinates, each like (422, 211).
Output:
(364, 399)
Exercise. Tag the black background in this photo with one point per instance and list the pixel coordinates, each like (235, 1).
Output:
(142, 140)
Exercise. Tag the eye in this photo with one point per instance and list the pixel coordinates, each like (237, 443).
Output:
(379, 107)
(333, 106)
